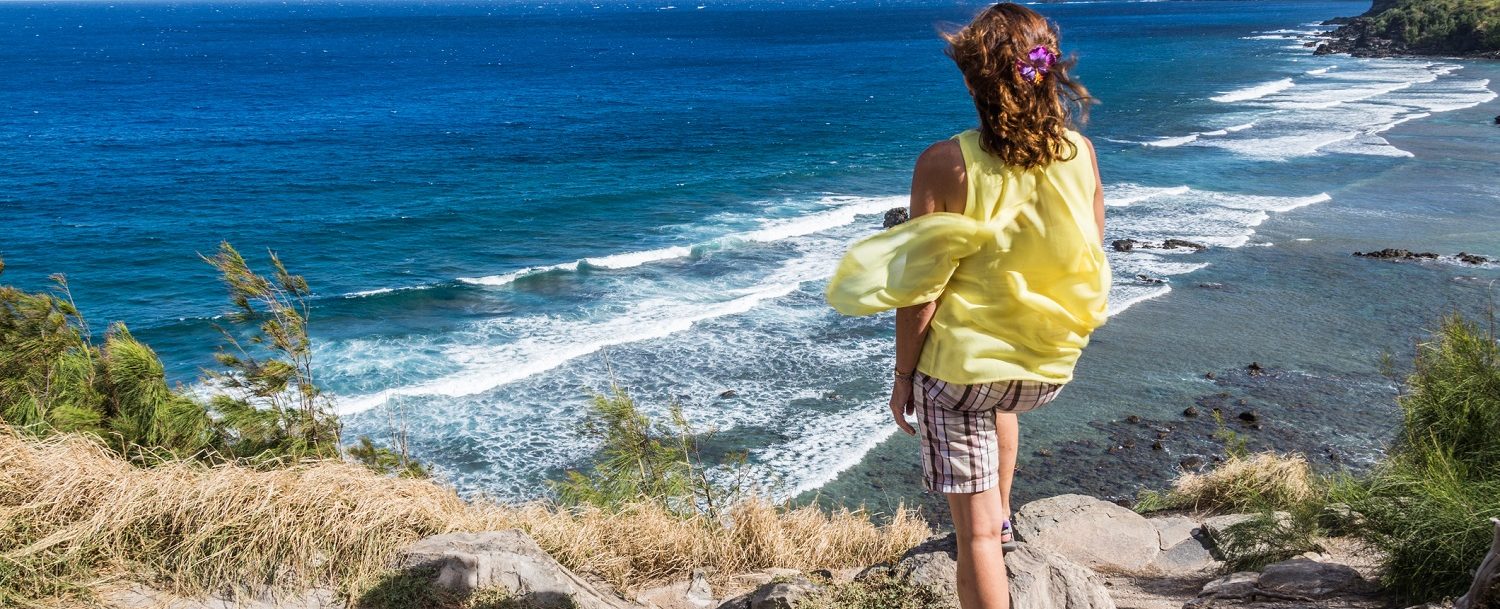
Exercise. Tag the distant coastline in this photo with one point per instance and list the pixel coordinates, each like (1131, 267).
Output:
(1396, 28)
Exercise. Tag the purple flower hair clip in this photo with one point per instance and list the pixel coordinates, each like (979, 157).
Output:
(1036, 64)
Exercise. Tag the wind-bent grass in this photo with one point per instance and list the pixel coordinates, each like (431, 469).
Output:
(72, 514)
(1262, 481)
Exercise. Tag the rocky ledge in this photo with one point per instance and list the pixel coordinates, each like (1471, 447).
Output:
(1402, 254)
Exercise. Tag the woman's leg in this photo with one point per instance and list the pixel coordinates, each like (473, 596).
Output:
(982, 582)
(1009, 433)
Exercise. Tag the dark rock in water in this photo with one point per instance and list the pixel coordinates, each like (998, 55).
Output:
(894, 216)
(728, 394)
(1249, 416)
(1255, 369)
(1125, 245)
(1468, 258)
(1180, 243)
(1208, 375)
(1392, 253)
(1148, 280)
(1497, 119)
(1044, 453)
(1192, 462)
(1128, 444)
(1157, 445)
(1323, 49)
(1190, 411)
(831, 396)
(1133, 419)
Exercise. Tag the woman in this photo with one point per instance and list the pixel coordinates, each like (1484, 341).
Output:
(998, 278)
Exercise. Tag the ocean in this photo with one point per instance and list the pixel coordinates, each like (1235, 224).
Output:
(505, 207)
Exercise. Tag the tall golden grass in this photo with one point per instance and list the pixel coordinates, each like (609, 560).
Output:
(73, 514)
(1240, 483)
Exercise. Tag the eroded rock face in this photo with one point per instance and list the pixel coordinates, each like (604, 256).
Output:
(507, 560)
(1039, 579)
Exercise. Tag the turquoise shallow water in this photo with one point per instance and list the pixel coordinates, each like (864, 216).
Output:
(498, 204)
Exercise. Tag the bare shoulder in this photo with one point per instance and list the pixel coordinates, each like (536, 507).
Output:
(938, 181)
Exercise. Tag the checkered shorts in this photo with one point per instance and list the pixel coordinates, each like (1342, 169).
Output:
(960, 449)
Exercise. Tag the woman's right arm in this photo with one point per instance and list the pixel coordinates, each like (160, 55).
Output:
(936, 183)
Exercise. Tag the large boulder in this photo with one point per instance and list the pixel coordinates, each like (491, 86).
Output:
(1308, 578)
(507, 560)
(1039, 579)
(1298, 579)
(1096, 533)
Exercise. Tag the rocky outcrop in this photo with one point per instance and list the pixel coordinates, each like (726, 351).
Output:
(1126, 245)
(1039, 578)
(1385, 31)
(1096, 533)
(1391, 253)
(506, 560)
(1106, 536)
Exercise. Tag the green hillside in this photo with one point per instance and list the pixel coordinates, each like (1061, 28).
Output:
(1439, 26)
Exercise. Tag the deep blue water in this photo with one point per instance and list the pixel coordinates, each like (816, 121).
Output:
(496, 202)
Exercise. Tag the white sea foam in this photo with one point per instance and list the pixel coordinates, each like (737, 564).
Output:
(1124, 194)
(847, 210)
(1173, 142)
(1124, 297)
(1255, 92)
(1319, 71)
(507, 278)
(539, 344)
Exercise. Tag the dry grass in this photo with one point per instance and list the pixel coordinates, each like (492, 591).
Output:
(71, 513)
(1253, 482)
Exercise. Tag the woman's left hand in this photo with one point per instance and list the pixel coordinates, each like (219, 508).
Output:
(902, 404)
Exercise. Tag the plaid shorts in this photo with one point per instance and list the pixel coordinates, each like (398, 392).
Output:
(960, 449)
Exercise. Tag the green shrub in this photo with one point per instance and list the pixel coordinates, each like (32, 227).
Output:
(55, 378)
(1427, 505)
(640, 459)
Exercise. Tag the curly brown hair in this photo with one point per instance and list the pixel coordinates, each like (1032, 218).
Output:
(1021, 121)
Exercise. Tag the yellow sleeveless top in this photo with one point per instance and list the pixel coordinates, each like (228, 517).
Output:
(1020, 277)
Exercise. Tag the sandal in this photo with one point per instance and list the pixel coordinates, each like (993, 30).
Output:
(1007, 537)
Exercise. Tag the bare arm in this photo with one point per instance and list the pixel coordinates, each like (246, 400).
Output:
(937, 184)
